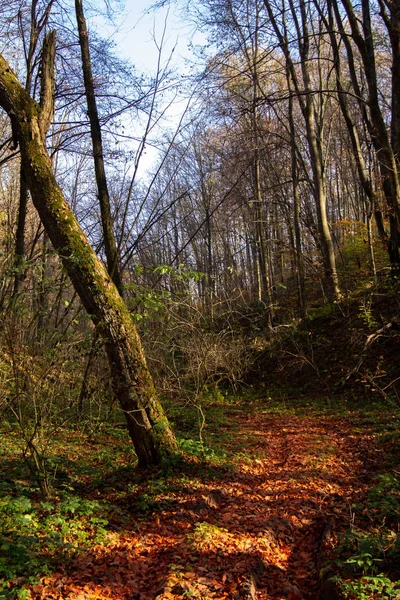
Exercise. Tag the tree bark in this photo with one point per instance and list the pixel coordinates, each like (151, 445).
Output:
(147, 424)
(390, 12)
(299, 261)
(388, 162)
(314, 124)
(36, 27)
(20, 234)
(97, 144)
(253, 60)
(364, 177)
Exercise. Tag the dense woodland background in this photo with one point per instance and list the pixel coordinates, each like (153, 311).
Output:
(258, 255)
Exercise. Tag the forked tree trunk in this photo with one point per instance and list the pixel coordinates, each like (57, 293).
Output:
(38, 23)
(147, 424)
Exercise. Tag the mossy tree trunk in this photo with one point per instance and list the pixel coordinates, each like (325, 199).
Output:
(147, 424)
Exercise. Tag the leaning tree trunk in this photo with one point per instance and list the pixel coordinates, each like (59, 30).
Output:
(147, 424)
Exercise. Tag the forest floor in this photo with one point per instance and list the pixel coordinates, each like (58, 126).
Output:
(258, 513)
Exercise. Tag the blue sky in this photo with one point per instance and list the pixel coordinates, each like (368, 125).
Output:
(135, 31)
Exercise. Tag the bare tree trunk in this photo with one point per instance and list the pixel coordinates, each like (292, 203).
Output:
(306, 96)
(147, 424)
(300, 275)
(253, 60)
(42, 295)
(371, 246)
(20, 267)
(392, 22)
(262, 248)
(364, 40)
(314, 139)
(365, 179)
(37, 26)
(95, 131)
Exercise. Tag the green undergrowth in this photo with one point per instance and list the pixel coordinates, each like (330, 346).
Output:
(369, 551)
(96, 490)
(366, 559)
(37, 535)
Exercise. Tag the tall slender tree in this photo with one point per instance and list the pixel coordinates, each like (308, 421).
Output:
(312, 102)
(385, 145)
(110, 247)
(39, 17)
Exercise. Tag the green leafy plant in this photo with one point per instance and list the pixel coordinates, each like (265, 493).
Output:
(366, 588)
(37, 535)
(367, 556)
(366, 315)
(385, 496)
(204, 533)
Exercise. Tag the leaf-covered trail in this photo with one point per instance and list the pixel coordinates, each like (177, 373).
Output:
(209, 529)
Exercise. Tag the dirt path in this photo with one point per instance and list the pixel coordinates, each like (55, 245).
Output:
(210, 528)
